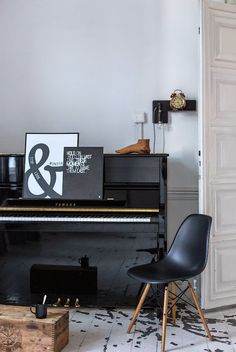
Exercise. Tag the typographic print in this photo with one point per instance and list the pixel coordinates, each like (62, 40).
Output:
(83, 173)
(76, 163)
(34, 170)
(44, 164)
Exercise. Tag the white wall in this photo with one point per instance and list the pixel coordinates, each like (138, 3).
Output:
(88, 65)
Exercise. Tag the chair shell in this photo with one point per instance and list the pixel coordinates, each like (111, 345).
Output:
(186, 258)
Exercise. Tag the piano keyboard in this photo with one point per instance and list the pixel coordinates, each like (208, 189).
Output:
(99, 219)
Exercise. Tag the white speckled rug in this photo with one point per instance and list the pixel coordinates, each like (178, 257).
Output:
(104, 330)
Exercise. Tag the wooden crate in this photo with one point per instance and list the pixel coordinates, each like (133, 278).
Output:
(20, 331)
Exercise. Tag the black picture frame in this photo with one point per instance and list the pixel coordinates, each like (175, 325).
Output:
(83, 173)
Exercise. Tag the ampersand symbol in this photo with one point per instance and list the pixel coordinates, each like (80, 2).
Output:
(34, 170)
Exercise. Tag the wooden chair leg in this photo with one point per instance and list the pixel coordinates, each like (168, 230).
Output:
(173, 302)
(200, 311)
(139, 306)
(164, 320)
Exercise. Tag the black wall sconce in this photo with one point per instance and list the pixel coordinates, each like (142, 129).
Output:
(160, 109)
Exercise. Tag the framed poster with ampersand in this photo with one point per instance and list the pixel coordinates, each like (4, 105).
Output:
(44, 158)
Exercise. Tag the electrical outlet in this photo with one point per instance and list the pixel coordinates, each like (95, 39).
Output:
(139, 117)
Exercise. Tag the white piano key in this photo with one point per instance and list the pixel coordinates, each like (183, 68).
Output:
(36, 218)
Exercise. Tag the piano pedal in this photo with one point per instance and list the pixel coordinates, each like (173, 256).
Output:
(77, 305)
(67, 304)
(57, 303)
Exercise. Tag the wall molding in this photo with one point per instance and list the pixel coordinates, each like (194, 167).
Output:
(186, 193)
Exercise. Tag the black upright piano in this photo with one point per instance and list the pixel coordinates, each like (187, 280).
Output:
(121, 230)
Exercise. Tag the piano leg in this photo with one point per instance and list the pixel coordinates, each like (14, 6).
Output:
(155, 258)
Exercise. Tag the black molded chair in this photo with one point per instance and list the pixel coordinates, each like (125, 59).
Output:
(186, 258)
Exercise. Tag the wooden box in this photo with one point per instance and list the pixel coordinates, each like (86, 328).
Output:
(21, 331)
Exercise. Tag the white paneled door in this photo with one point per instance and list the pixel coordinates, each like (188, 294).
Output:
(219, 150)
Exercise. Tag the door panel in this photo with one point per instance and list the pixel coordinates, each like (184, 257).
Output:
(219, 150)
(222, 151)
(224, 199)
(223, 259)
(223, 38)
(223, 103)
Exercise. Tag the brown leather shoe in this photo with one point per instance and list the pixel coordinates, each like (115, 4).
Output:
(141, 147)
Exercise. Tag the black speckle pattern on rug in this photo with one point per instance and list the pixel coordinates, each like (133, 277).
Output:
(105, 330)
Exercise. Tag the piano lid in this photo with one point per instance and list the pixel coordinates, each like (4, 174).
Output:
(59, 203)
(58, 206)
(11, 169)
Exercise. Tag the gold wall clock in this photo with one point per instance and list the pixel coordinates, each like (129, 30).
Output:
(177, 100)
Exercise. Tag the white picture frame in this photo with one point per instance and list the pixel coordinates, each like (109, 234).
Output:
(43, 169)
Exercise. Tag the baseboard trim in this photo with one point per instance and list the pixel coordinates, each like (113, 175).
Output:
(183, 193)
